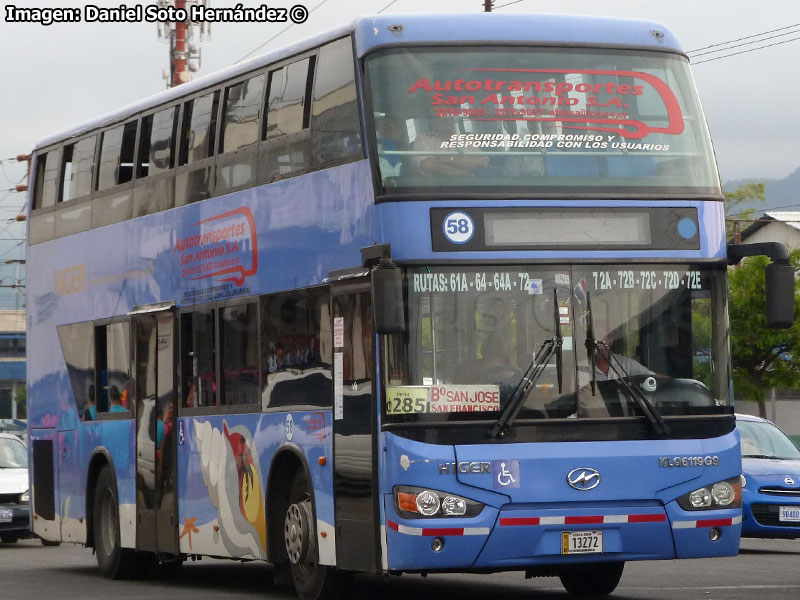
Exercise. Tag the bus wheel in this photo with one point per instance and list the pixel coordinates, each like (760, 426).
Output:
(114, 561)
(593, 579)
(311, 580)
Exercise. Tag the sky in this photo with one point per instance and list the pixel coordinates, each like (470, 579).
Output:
(54, 77)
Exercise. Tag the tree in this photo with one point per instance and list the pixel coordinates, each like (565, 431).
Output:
(763, 358)
(21, 399)
(745, 194)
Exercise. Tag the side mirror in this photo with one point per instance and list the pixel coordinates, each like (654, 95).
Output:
(780, 295)
(387, 286)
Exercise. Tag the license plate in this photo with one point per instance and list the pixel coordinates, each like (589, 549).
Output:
(790, 514)
(581, 542)
(6, 515)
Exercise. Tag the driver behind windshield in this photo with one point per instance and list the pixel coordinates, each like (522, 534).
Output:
(605, 356)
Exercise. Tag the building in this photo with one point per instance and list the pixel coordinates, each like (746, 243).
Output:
(12, 360)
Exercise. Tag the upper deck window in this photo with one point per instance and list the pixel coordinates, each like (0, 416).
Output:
(288, 102)
(76, 169)
(48, 167)
(116, 156)
(538, 120)
(242, 114)
(156, 148)
(199, 127)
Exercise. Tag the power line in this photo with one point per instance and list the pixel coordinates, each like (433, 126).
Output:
(767, 209)
(700, 62)
(747, 43)
(281, 32)
(747, 37)
(387, 6)
(508, 4)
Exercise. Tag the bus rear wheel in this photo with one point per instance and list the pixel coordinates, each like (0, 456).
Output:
(593, 579)
(312, 581)
(114, 561)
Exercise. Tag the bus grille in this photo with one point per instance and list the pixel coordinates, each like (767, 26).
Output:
(767, 514)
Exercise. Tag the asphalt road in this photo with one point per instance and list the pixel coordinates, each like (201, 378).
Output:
(764, 570)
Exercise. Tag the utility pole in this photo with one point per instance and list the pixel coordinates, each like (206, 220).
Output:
(184, 52)
(487, 5)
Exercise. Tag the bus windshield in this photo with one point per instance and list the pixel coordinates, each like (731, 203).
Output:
(475, 332)
(557, 121)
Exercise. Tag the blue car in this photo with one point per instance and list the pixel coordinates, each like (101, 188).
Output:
(771, 480)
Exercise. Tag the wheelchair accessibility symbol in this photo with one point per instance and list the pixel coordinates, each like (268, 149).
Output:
(505, 474)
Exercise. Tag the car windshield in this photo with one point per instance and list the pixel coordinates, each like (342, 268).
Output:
(764, 440)
(533, 119)
(12, 454)
(474, 333)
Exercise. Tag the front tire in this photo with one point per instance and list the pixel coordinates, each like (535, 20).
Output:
(593, 579)
(9, 538)
(312, 581)
(114, 561)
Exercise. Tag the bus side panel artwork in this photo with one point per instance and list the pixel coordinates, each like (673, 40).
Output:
(300, 228)
(223, 465)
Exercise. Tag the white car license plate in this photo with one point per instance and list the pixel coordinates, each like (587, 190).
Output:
(790, 514)
(581, 542)
(6, 515)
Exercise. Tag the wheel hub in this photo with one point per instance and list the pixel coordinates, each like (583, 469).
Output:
(298, 532)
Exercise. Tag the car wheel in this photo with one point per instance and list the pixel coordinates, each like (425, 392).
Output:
(593, 579)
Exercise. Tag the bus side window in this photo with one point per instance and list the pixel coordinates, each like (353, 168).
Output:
(157, 143)
(47, 171)
(335, 124)
(197, 144)
(239, 133)
(198, 361)
(77, 345)
(238, 340)
(77, 168)
(112, 368)
(295, 349)
(116, 156)
(288, 117)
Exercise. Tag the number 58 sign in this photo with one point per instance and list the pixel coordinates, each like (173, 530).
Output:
(458, 227)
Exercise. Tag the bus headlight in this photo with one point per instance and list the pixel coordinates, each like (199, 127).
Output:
(417, 503)
(723, 494)
(25, 497)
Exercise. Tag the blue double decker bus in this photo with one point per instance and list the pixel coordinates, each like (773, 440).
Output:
(433, 293)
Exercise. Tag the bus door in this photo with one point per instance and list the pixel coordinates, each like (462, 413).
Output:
(156, 452)
(354, 429)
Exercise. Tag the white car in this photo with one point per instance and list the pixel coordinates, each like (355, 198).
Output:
(14, 493)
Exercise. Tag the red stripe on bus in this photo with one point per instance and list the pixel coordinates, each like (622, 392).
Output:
(444, 531)
(582, 520)
(392, 525)
(646, 518)
(714, 522)
(512, 521)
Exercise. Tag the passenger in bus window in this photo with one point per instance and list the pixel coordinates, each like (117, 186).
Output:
(115, 399)
(388, 140)
(446, 161)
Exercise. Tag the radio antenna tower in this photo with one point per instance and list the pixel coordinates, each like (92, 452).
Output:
(184, 39)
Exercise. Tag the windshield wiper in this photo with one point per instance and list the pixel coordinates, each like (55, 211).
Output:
(532, 374)
(760, 456)
(654, 418)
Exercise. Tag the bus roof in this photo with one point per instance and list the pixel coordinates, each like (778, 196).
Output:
(371, 32)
